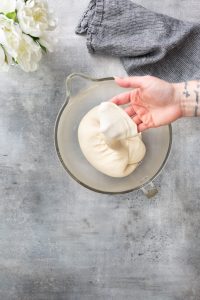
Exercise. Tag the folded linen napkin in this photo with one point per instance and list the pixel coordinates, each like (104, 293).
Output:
(145, 41)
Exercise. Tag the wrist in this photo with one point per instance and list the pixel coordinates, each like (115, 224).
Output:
(177, 99)
(183, 99)
(187, 95)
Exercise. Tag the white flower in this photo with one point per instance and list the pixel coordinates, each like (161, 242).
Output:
(5, 60)
(7, 6)
(29, 54)
(10, 36)
(34, 17)
(48, 41)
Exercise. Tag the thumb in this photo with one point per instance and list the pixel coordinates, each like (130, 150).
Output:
(130, 82)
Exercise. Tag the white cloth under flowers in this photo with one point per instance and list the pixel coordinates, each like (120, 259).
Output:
(25, 29)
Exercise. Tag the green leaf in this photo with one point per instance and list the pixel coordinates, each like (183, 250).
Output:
(34, 38)
(43, 48)
(15, 61)
(12, 15)
(6, 59)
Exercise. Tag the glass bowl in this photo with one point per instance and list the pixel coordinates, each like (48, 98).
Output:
(82, 94)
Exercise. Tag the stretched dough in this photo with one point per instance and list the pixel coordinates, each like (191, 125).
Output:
(114, 122)
(109, 140)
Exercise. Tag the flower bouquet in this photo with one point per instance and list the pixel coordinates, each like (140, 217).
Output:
(25, 33)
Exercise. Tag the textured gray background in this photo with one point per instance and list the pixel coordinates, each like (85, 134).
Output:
(61, 241)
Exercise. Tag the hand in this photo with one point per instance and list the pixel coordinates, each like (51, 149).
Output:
(152, 102)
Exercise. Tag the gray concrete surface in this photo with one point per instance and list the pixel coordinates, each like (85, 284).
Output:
(59, 241)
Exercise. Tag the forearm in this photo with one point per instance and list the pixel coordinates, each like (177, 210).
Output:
(188, 96)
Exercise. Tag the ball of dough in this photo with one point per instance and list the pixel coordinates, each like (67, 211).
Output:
(115, 158)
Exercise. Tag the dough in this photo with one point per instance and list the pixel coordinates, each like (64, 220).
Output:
(114, 122)
(109, 140)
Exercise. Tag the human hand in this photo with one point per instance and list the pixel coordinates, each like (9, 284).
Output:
(152, 102)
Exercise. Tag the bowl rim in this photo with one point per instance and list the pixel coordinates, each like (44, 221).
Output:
(60, 156)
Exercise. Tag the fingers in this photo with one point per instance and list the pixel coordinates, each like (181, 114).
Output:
(137, 120)
(125, 98)
(142, 118)
(142, 127)
(121, 99)
(130, 111)
(140, 110)
(130, 82)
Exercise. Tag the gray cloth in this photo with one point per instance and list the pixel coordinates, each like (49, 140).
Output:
(146, 42)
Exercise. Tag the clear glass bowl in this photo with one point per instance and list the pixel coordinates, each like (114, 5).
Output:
(83, 93)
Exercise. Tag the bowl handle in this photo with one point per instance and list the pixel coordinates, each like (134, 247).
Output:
(83, 76)
(149, 190)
